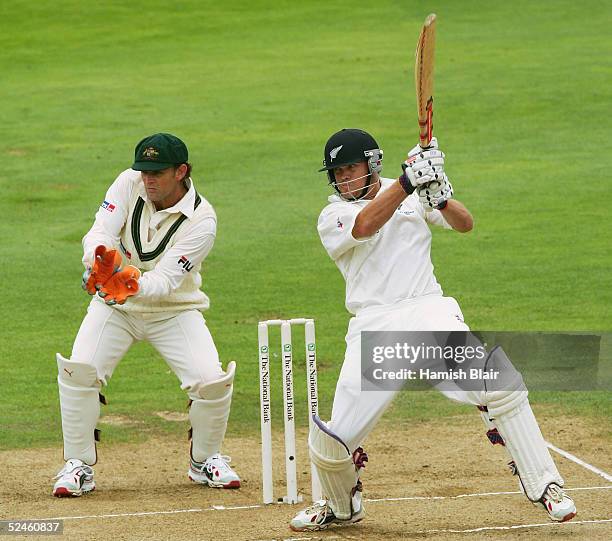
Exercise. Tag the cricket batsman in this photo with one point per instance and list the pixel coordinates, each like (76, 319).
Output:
(143, 257)
(376, 230)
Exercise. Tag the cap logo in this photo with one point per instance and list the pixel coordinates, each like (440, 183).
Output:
(334, 152)
(150, 153)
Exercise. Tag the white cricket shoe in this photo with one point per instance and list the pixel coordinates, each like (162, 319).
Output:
(559, 506)
(74, 479)
(215, 472)
(320, 516)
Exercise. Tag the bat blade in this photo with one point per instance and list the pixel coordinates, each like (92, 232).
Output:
(423, 78)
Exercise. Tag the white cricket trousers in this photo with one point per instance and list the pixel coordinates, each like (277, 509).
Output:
(356, 412)
(182, 339)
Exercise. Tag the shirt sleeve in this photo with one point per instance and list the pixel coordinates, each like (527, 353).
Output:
(110, 218)
(435, 217)
(336, 228)
(188, 252)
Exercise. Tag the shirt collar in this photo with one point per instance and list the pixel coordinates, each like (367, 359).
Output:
(185, 205)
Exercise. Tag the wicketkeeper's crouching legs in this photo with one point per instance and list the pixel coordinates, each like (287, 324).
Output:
(338, 472)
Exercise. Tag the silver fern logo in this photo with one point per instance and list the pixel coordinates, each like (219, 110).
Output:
(334, 152)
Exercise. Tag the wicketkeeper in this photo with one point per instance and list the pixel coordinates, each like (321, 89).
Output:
(143, 257)
(377, 232)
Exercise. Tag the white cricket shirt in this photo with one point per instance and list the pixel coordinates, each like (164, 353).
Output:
(168, 245)
(392, 265)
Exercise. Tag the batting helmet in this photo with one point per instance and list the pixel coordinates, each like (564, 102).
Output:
(349, 146)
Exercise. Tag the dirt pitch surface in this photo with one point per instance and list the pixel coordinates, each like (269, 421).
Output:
(424, 480)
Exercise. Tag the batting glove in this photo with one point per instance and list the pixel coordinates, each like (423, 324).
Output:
(422, 166)
(436, 194)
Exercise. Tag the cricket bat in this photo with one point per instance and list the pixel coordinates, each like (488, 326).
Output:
(423, 78)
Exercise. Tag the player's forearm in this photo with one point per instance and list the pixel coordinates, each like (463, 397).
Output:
(154, 285)
(457, 216)
(378, 212)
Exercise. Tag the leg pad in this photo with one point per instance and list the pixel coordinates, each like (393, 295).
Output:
(337, 472)
(80, 407)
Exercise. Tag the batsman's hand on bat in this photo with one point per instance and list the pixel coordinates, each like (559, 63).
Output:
(422, 166)
(106, 263)
(435, 194)
(120, 286)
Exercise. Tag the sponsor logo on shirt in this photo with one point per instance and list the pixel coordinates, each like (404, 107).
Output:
(107, 206)
(185, 263)
(405, 212)
(340, 224)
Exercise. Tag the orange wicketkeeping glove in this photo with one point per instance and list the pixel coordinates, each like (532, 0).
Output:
(106, 263)
(120, 286)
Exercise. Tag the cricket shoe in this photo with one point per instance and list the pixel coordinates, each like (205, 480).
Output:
(320, 516)
(74, 479)
(215, 472)
(559, 506)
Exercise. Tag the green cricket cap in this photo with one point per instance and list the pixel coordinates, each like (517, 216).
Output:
(159, 151)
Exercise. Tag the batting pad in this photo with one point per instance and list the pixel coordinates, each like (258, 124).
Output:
(527, 448)
(511, 413)
(337, 472)
(80, 407)
(208, 424)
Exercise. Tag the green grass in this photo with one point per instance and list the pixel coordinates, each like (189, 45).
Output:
(255, 88)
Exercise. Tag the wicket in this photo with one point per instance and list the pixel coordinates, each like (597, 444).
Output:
(288, 403)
